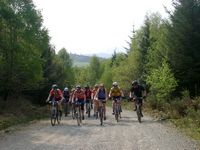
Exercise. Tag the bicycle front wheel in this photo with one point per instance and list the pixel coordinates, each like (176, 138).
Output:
(138, 111)
(53, 117)
(58, 117)
(101, 115)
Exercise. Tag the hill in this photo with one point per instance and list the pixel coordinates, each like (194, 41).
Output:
(81, 60)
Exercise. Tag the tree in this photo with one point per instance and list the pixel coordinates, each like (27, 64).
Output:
(184, 45)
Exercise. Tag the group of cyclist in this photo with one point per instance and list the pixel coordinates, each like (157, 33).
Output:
(94, 96)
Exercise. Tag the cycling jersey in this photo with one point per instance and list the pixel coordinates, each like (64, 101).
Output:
(80, 95)
(56, 93)
(137, 91)
(88, 93)
(115, 91)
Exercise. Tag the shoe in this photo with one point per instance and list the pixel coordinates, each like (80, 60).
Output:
(94, 115)
(105, 118)
(142, 115)
(113, 113)
(83, 118)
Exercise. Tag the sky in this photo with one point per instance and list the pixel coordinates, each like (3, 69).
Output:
(95, 26)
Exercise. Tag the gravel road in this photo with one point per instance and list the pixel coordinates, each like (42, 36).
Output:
(127, 134)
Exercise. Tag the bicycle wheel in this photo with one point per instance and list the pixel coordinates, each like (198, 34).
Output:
(77, 116)
(80, 114)
(53, 117)
(88, 109)
(58, 116)
(66, 108)
(73, 112)
(101, 115)
(116, 113)
(138, 111)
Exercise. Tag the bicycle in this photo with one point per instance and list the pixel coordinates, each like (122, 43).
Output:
(88, 108)
(66, 107)
(55, 114)
(101, 112)
(78, 114)
(117, 109)
(138, 108)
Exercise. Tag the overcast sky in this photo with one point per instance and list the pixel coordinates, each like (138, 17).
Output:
(95, 26)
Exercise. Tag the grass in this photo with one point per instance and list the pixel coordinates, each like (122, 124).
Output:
(18, 111)
(186, 125)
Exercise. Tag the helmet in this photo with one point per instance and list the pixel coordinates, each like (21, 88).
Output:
(115, 84)
(87, 87)
(96, 86)
(101, 85)
(135, 82)
(66, 89)
(54, 86)
(78, 87)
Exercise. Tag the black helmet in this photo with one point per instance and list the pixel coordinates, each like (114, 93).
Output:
(135, 82)
(87, 86)
(54, 86)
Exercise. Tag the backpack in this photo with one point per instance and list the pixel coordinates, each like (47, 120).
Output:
(102, 94)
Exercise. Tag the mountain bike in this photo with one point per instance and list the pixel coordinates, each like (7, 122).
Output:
(66, 107)
(101, 112)
(117, 109)
(55, 114)
(88, 107)
(78, 114)
(138, 108)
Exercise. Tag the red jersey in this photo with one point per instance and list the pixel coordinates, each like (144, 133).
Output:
(80, 95)
(88, 93)
(56, 93)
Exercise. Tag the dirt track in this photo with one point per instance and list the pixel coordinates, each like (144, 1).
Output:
(127, 134)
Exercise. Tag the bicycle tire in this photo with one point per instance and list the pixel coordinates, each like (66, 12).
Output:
(58, 117)
(138, 113)
(53, 117)
(88, 110)
(101, 115)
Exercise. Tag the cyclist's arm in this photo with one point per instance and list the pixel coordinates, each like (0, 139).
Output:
(109, 95)
(122, 93)
(96, 95)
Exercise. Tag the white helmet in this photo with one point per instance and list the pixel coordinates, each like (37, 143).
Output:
(66, 89)
(115, 84)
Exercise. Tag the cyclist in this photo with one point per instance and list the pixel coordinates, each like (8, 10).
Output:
(56, 94)
(66, 95)
(101, 95)
(116, 93)
(95, 102)
(88, 94)
(137, 91)
(79, 95)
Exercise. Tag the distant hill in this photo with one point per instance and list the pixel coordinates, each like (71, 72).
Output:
(81, 60)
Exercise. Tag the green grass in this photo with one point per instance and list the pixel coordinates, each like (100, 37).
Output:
(18, 111)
